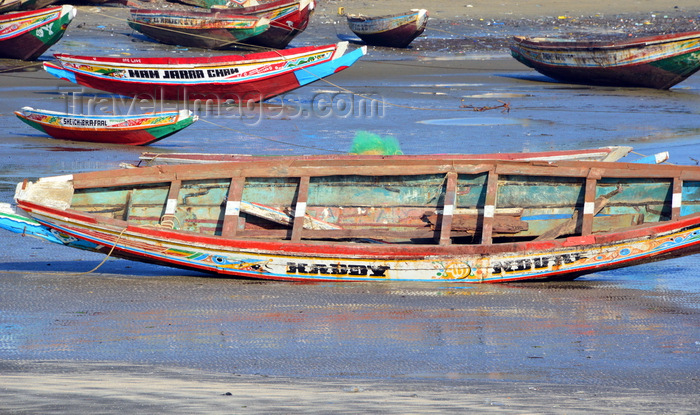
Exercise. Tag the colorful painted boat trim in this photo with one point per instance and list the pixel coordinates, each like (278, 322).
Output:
(139, 129)
(397, 30)
(455, 221)
(26, 35)
(652, 62)
(209, 30)
(233, 78)
(17, 221)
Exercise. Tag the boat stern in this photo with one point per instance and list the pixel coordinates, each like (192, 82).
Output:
(54, 192)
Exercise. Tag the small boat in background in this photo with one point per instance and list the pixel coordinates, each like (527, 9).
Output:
(396, 30)
(26, 35)
(227, 78)
(380, 219)
(612, 153)
(134, 130)
(213, 29)
(651, 62)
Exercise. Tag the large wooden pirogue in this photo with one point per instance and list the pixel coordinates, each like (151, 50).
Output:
(650, 62)
(380, 219)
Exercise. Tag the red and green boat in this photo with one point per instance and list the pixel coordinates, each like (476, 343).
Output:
(228, 78)
(26, 35)
(134, 130)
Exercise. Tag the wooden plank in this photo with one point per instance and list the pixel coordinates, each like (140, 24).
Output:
(300, 208)
(502, 224)
(588, 206)
(448, 208)
(489, 209)
(169, 220)
(232, 210)
(569, 226)
(676, 198)
(372, 167)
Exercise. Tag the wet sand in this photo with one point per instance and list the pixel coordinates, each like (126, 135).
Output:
(134, 337)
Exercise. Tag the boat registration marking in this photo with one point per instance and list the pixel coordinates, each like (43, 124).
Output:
(676, 201)
(233, 208)
(300, 210)
(588, 208)
(170, 206)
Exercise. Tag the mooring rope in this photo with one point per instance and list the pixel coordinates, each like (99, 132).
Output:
(108, 254)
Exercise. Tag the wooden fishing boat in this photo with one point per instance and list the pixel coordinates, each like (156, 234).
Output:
(209, 29)
(287, 18)
(612, 153)
(396, 30)
(9, 5)
(652, 62)
(380, 219)
(233, 78)
(26, 35)
(138, 130)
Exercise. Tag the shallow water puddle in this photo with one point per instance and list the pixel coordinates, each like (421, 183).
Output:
(476, 121)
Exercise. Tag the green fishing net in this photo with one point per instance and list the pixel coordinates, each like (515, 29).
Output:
(370, 143)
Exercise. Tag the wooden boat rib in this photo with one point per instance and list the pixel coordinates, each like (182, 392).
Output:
(140, 129)
(26, 35)
(396, 30)
(612, 153)
(231, 78)
(209, 30)
(454, 220)
(652, 62)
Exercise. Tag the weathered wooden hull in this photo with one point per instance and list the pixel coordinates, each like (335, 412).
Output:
(250, 78)
(653, 62)
(26, 35)
(370, 220)
(9, 5)
(287, 20)
(396, 31)
(613, 153)
(136, 130)
(208, 30)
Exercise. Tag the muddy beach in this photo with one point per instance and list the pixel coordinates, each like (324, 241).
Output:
(131, 337)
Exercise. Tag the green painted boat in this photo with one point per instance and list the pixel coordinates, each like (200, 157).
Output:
(26, 35)
(135, 130)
